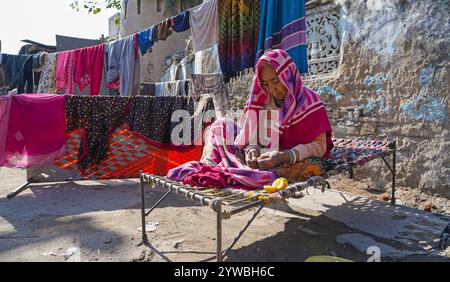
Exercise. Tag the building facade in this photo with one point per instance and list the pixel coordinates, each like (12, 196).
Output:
(151, 12)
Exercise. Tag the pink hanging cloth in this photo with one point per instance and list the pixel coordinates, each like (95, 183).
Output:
(89, 68)
(32, 129)
(65, 68)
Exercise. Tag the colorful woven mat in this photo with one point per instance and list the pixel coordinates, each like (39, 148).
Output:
(128, 154)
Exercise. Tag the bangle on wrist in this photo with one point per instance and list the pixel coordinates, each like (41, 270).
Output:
(295, 155)
(248, 150)
(290, 157)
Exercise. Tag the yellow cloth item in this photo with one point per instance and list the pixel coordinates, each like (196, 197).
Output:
(276, 186)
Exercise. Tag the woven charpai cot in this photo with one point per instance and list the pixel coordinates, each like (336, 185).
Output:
(358, 151)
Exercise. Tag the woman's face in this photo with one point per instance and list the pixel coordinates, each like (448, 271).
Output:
(270, 82)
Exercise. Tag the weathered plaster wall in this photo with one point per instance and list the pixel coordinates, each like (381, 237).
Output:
(393, 82)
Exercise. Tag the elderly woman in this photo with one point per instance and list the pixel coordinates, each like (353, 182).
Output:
(283, 125)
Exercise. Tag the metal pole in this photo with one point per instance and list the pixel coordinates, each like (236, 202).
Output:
(144, 233)
(393, 172)
(243, 230)
(218, 209)
(19, 190)
(157, 203)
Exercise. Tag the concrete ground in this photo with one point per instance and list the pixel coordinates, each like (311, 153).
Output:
(99, 221)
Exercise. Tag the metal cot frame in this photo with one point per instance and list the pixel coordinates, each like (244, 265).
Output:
(228, 202)
(224, 202)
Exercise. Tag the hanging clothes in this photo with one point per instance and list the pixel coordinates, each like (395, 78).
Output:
(174, 72)
(25, 82)
(182, 88)
(124, 66)
(204, 22)
(99, 116)
(2, 76)
(38, 59)
(151, 117)
(164, 29)
(89, 68)
(180, 22)
(32, 129)
(12, 66)
(184, 71)
(147, 89)
(207, 61)
(187, 68)
(211, 85)
(172, 88)
(208, 84)
(160, 89)
(147, 38)
(283, 26)
(65, 69)
(238, 35)
(47, 79)
(38, 64)
(190, 87)
(179, 88)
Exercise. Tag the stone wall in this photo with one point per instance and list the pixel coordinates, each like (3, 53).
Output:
(392, 82)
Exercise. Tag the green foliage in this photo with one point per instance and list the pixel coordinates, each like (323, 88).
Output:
(171, 7)
(116, 21)
(95, 7)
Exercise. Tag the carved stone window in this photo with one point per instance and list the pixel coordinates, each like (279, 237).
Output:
(323, 37)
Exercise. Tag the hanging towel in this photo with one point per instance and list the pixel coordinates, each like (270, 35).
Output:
(32, 129)
(238, 35)
(283, 27)
(65, 68)
(164, 29)
(47, 80)
(89, 68)
(124, 66)
(147, 38)
(204, 22)
(180, 22)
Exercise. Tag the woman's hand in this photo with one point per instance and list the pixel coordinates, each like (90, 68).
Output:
(272, 159)
(251, 158)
